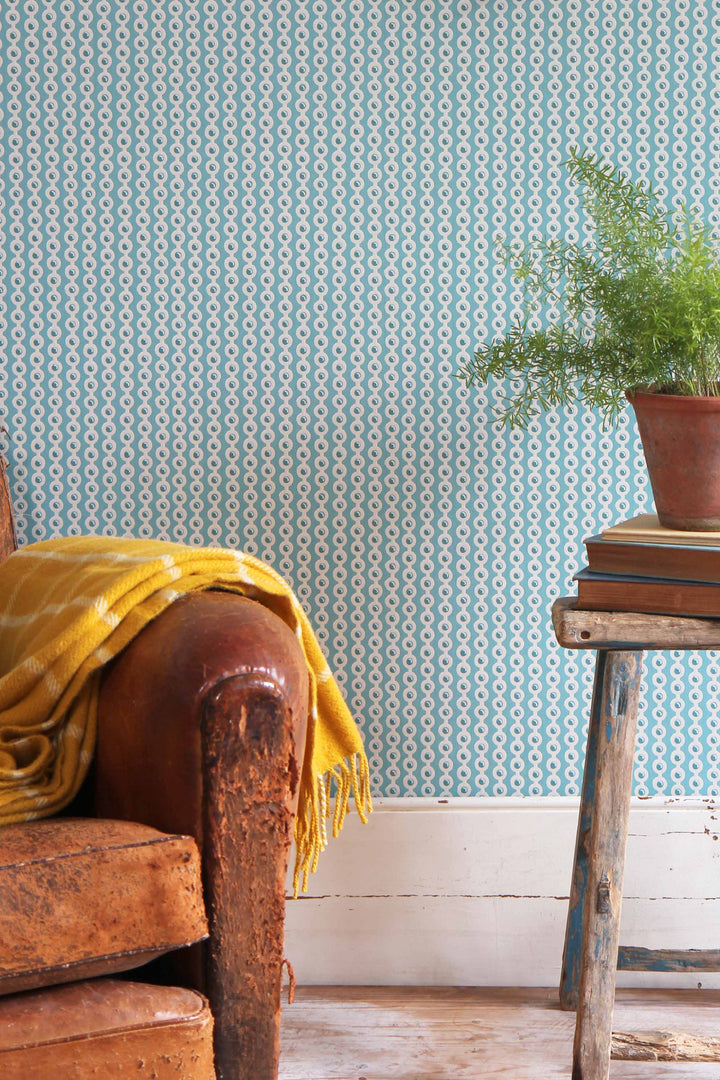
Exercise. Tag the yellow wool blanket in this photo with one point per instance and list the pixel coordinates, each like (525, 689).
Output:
(68, 606)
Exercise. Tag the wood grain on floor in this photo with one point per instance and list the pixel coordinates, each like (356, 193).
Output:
(448, 1033)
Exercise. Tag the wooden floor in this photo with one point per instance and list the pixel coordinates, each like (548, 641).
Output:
(441, 1033)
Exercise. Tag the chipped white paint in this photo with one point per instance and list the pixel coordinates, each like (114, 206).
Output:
(474, 892)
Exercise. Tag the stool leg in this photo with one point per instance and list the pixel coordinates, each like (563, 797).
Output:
(617, 691)
(570, 973)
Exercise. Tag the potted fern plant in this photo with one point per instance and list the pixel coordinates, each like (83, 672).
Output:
(632, 313)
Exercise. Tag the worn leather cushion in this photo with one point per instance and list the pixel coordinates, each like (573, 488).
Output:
(106, 1028)
(85, 897)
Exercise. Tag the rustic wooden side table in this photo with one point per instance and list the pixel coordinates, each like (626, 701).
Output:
(591, 955)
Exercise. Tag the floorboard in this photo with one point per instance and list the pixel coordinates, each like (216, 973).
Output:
(447, 1033)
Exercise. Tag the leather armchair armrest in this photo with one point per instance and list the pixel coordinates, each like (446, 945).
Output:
(201, 731)
(153, 698)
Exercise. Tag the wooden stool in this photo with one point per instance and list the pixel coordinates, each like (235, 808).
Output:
(591, 955)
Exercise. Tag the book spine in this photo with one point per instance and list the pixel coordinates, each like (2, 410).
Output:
(649, 598)
(646, 560)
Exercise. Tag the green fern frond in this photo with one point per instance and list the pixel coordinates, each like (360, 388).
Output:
(635, 305)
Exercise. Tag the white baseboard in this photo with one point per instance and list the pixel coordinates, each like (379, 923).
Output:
(473, 892)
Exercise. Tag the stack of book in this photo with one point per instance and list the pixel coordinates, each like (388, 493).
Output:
(638, 565)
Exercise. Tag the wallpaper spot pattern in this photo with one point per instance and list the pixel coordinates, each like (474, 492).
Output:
(245, 245)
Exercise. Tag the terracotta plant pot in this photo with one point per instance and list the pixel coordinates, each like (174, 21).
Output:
(681, 440)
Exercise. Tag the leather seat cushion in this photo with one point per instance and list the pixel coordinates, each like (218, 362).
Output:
(86, 897)
(106, 1028)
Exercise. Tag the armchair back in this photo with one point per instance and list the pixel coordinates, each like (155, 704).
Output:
(8, 538)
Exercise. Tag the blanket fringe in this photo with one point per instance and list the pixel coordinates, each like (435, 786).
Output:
(350, 778)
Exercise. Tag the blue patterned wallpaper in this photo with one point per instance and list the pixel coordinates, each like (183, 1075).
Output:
(245, 244)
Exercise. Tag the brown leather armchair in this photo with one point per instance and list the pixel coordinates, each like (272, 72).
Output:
(194, 787)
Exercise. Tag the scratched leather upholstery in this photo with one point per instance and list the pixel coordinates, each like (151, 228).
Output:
(86, 897)
(204, 655)
(106, 1028)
